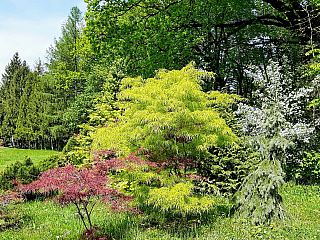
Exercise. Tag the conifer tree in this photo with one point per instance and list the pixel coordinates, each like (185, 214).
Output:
(258, 198)
(277, 128)
(14, 80)
(30, 110)
(10, 69)
(53, 106)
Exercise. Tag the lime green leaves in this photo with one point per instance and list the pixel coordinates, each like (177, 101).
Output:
(169, 111)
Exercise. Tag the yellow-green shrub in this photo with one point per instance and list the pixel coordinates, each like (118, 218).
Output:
(178, 199)
(170, 116)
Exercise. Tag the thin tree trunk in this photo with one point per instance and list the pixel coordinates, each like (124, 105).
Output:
(12, 141)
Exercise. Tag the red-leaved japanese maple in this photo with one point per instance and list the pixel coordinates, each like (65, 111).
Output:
(82, 187)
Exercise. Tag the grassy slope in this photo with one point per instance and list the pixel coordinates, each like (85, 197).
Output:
(43, 220)
(10, 155)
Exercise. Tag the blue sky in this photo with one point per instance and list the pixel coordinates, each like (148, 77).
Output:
(29, 27)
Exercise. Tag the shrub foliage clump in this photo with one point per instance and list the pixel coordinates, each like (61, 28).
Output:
(169, 116)
(83, 187)
(25, 172)
(226, 169)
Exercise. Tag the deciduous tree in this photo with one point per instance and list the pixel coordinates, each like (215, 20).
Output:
(82, 187)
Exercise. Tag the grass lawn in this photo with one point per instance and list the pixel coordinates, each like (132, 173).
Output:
(10, 155)
(45, 220)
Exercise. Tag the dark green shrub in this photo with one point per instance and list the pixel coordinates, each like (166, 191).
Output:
(51, 162)
(25, 172)
(307, 171)
(225, 169)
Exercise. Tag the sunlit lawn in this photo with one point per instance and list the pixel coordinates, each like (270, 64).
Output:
(10, 155)
(45, 220)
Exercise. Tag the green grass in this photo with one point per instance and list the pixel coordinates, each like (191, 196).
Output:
(45, 220)
(11, 155)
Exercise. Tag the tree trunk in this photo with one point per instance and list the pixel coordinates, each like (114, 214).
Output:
(12, 141)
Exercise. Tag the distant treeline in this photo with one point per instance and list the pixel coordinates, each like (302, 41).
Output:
(30, 108)
(43, 107)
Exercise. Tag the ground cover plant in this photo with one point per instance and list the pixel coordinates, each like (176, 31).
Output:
(46, 220)
(11, 155)
(10, 210)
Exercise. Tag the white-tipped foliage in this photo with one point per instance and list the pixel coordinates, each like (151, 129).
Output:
(277, 100)
(275, 124)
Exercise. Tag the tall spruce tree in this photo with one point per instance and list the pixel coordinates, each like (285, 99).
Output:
(7, 76)
(30, 112)
(68, 78)
(14, 80)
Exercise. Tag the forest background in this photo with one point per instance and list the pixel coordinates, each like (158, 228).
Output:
(240, 91)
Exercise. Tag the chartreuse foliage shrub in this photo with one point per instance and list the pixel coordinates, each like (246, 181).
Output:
(171, 121)
(76, 158)
(178, 200)
(71, 145)
(170, 116)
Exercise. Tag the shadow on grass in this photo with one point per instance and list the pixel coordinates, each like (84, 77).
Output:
(126, 226)
(119, 226)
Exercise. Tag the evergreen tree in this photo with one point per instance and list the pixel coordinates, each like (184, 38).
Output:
(53, 106)
(69, 81)
(278, 128)
(14, 80)
(7, 76)
(30, 112)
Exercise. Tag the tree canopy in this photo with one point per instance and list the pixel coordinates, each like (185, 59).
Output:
(220, 36)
